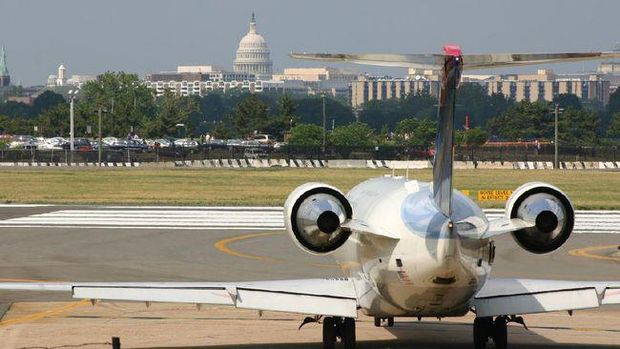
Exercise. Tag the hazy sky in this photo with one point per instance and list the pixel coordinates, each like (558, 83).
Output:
(143, 36)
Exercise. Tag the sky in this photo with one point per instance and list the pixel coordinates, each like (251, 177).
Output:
(142, 36)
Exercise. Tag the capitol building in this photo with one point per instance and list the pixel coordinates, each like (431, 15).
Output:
(253, 56)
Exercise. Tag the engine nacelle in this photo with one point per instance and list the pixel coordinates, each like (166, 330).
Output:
(549, 209)
(313, 214)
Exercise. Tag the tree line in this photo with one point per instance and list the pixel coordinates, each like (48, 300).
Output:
(129, 106)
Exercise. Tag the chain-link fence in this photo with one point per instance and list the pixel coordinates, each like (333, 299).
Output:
(502, 154)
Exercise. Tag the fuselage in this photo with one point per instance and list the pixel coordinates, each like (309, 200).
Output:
(433, 269)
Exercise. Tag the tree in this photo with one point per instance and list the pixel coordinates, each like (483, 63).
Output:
(309, 110)
(613, 106)
(250, 115)
(306, 134)
(613, 131)
(128, 102)
(415, 132)
(474, 137)
(568, 100)
(286, 106)
(526, 120)
(578, 127)
(355, 134)
(45, 101)
(54, 121)
(222, 130)
(171, 111)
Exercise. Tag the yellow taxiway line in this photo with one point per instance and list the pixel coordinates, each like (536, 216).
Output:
(42, 314)
(223, 246)
(587, 252)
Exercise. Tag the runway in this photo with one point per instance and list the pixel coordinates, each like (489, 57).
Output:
(187, 244)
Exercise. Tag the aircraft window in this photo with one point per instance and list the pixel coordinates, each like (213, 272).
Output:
(399, 263)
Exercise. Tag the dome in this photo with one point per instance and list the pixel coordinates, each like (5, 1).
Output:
(253, 55)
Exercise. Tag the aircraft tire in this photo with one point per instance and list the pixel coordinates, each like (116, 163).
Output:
(348, 333)
(483, 327)
(329, 333)
(377, 322)
(390, 322)
(500, 333)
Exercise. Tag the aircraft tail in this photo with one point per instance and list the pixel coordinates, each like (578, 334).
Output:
(444, 144)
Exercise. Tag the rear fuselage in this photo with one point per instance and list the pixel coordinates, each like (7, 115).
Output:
(436, 266)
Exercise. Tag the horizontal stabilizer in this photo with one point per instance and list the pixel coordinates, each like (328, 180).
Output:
(470, 62)
(505, 225)
(358, 226)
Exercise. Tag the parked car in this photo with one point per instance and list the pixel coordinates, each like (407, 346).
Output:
(234, 142)
(278, 145)
(186, 143)
(158, 143)
(110, 140)
(23, 142)
(264, 139)
(215, 144)
(52, 143)
(255, 153)
(129, 144)
(79, 144)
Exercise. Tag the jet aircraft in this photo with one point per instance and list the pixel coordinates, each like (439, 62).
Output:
(407, 248)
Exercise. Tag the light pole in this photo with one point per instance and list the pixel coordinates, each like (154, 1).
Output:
(100, 145)
(324, 130)
(557, 111)
(72, 95)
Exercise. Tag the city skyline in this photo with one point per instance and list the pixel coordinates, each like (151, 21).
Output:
(149, 36)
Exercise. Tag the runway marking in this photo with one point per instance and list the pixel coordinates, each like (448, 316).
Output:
(586, 252)
(222, 246)
(45, 314)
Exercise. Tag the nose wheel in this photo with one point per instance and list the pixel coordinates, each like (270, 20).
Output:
(337, 327)
(485, 328)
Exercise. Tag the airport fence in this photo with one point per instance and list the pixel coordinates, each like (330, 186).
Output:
(544, 153)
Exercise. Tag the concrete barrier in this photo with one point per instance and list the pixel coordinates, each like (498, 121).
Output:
(316, 163)
(346, 164)
(370, 164)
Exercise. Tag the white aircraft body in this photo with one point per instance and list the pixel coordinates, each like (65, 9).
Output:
(407, 248)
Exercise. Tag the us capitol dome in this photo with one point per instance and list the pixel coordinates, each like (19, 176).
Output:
(253, 55)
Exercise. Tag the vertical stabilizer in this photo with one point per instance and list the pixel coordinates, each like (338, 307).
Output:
(444, 144)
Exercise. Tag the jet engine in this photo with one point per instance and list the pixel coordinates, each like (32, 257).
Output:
(313, 214)
(551, 212)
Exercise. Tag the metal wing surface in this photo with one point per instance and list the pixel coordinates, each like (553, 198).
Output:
(470, 62)
(527, 296)
(333, 297)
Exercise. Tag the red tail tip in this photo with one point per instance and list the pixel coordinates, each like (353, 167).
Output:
(452, 50)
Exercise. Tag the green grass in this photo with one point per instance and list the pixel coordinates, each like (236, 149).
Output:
(587, 189)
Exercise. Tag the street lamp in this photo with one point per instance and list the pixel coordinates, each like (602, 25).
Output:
(324, 130)
(557, 111)
(72, 96)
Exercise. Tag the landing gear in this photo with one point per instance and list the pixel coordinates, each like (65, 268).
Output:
(337, 327)
(390, 321)
(485, 328)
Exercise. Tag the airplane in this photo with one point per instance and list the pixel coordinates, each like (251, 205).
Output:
(407, 248)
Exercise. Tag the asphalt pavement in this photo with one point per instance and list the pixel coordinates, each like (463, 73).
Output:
(57, 243)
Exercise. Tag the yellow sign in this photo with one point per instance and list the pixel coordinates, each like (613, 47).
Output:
(465, 192)
(494, 195)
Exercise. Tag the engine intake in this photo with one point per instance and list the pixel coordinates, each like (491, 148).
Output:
(313, 215)
(551, 212)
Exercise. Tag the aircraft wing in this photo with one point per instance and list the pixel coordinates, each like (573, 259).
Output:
(527, 296)
(333, 297)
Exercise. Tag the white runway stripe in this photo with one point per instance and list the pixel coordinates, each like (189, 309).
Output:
(242, 218)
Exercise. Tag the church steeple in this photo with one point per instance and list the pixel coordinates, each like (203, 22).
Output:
(5, 79)
(4, 71)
